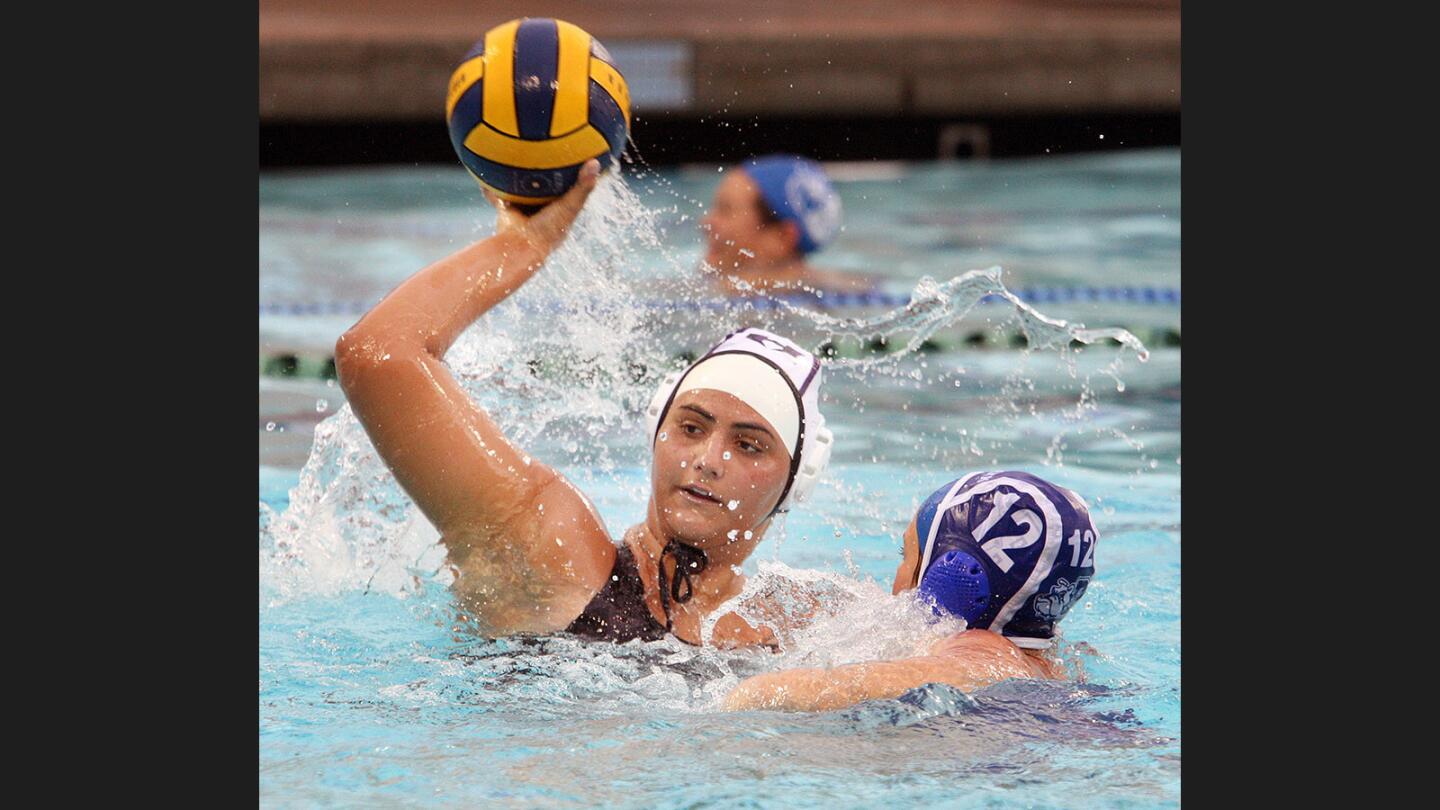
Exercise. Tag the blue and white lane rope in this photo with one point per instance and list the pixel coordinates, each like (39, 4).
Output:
(1142, 296)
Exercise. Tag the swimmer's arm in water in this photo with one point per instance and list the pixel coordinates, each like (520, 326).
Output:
(528, 545)
(964, 664)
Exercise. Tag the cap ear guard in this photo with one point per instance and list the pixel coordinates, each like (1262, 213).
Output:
(659, 401)
(814, 457)
(956, 583)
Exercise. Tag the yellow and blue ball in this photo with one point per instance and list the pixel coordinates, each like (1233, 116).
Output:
(531, 103)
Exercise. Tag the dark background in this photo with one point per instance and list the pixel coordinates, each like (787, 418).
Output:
(664, 139)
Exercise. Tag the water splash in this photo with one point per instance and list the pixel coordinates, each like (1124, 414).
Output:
(934, 305)
(572, 393)
(349, 525)
(826, 619)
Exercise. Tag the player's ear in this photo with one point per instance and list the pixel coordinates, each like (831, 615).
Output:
(791, 235)
(912, 538)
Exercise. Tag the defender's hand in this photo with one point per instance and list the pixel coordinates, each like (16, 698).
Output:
(732, 632)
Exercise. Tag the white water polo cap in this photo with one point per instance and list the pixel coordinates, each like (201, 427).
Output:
(780, 380)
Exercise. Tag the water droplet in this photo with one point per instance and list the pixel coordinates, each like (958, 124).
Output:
(321, 405)
(731, 505)
(558, 542)
(664, 435)
(732, 533)
(682, 465)
(726, 455)
(749, 535)
(269, 426)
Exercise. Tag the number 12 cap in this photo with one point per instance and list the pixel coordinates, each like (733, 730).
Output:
(1007, 551)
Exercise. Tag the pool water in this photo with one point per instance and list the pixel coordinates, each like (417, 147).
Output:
(367, 695)
(1096, 238)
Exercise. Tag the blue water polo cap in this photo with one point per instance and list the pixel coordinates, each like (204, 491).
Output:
(1007, 551)
(798, 191)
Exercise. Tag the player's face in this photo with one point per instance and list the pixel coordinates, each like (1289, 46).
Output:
(738, 234)
(719, 470)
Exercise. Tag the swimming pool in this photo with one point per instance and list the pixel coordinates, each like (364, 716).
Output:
(367, 697)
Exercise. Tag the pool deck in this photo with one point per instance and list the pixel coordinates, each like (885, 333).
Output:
(322, 61)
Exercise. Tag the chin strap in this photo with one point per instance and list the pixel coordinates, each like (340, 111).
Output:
(689, 561)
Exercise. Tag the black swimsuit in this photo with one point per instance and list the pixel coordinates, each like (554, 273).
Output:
(618, 612)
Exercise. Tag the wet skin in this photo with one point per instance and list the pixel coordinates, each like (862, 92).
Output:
(906, 574)
(968, 660)
(715, 451)
(528, 549)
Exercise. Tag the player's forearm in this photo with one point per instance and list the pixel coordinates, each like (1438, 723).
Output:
(818, 690)
(813, 690)
(431, 308)
(790, 690)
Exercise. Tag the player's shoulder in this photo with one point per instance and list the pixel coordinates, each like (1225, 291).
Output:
(976, 642)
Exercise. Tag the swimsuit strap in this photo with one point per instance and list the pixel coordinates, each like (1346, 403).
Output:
(689, 561)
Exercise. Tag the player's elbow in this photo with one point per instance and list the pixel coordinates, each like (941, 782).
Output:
(362, 358)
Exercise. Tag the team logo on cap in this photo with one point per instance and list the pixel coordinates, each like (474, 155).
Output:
(1054, 603)
(771, 343)
(811, 199)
